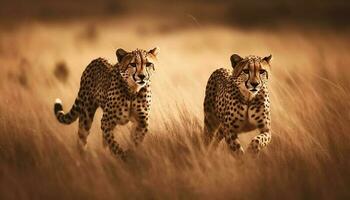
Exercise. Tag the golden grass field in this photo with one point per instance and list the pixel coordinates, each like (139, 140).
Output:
(307, 159)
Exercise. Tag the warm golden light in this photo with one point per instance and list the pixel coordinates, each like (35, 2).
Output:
(44, 52)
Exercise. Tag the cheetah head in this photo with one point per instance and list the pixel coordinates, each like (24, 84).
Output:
(250, 73)
(136, 67)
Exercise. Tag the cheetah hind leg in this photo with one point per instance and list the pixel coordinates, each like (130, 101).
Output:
(210, 127)
(218, 136)
(83, 133)
(85, 122)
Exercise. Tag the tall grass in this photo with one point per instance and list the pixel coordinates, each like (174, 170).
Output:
(307, 159)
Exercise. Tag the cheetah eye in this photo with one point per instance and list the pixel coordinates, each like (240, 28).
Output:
(132, 64)
(262, 71)
(148, 64)
(246, 71)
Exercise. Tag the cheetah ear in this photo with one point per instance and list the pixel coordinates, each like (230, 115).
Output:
(268, 58)
(235, 59)
(120, 54)
(154, 51)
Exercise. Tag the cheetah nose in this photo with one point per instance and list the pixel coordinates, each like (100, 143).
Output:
(141, 76)
(254, 84)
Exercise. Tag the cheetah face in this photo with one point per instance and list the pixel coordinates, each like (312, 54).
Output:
(250, 73)
(137, 66)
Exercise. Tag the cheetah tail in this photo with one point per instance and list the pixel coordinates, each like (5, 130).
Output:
(65, 118)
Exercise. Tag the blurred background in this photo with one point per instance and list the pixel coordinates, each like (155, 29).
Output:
(46, 45)
(248, 14)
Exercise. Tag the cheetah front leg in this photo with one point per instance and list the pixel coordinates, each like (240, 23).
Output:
(260, 141)
(107, 126)
(235, 146)
(263, 124)
(140, 130)
(140, 115)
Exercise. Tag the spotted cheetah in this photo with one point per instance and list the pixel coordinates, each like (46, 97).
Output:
(122, 91)
(237, 101)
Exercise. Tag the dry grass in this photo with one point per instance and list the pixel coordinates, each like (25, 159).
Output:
(307, 159)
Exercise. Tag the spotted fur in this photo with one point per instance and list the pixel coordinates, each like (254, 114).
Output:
(237, 101)
(123, 92)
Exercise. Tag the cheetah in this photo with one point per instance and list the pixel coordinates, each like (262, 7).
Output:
(123, 91)
(237, 101)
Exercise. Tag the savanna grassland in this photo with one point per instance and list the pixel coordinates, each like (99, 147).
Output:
(307, 159)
